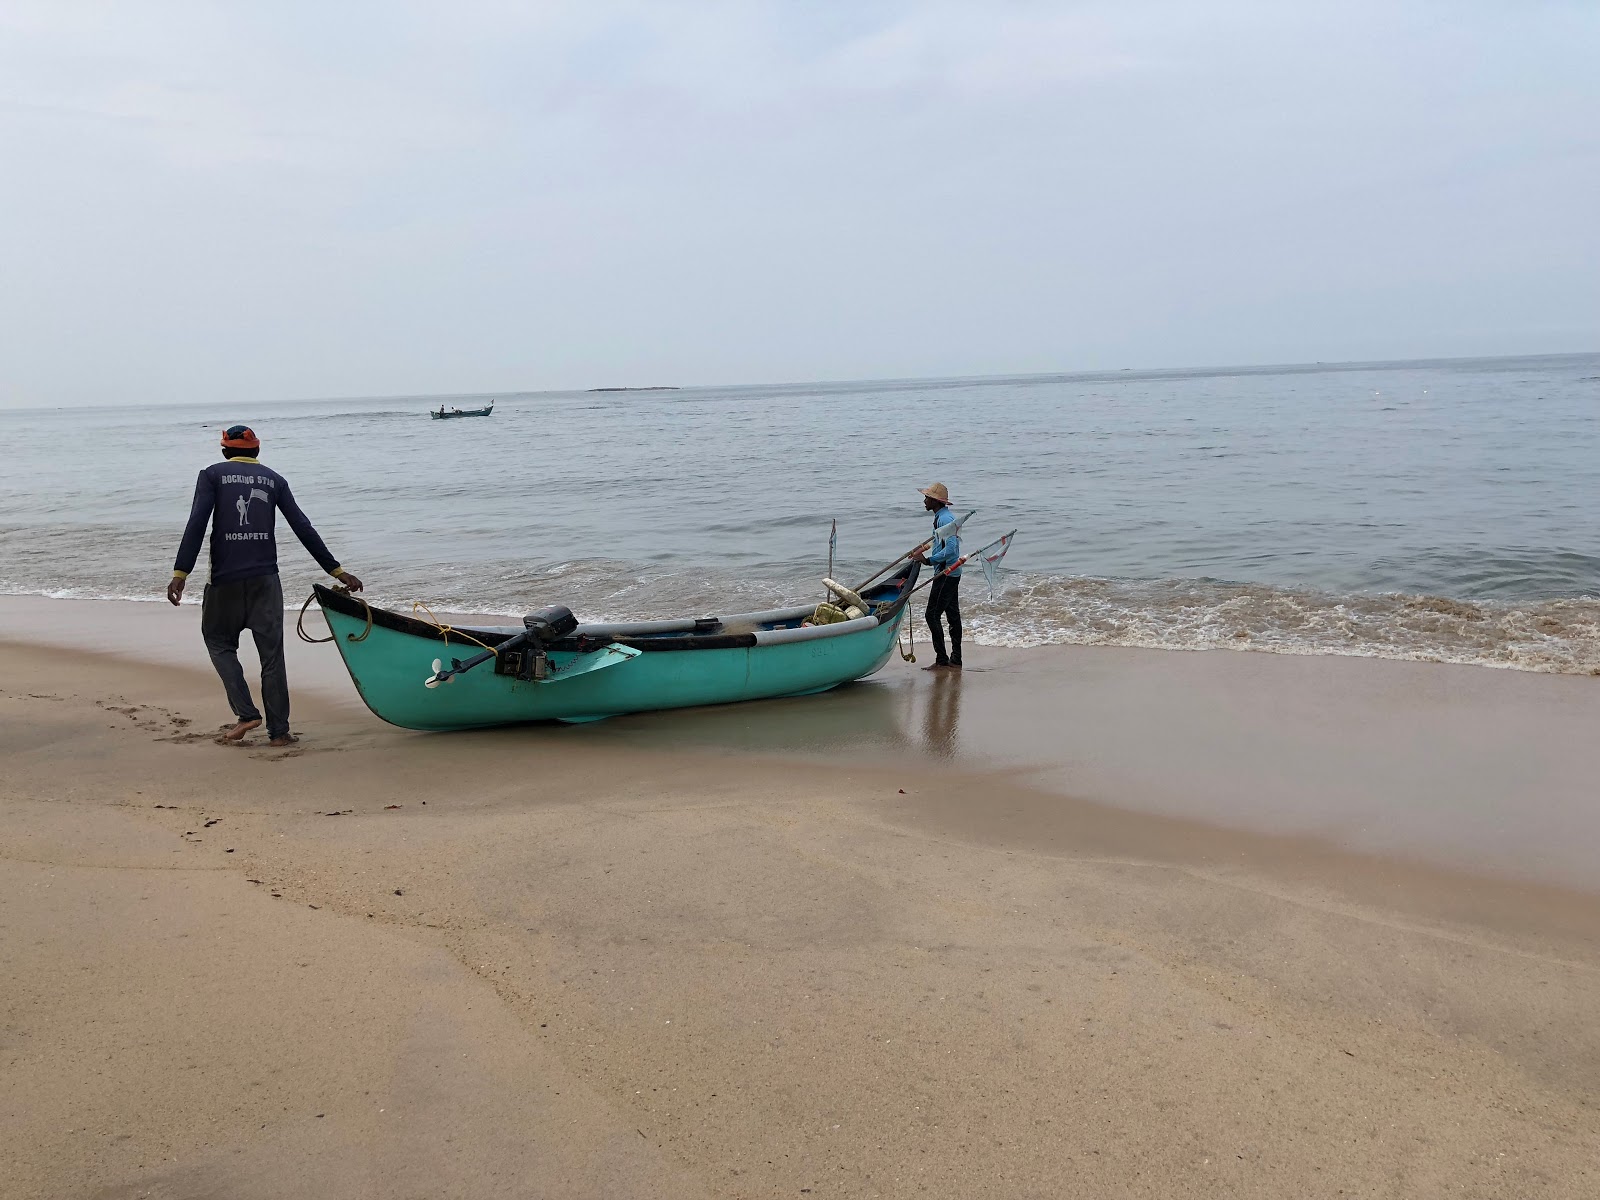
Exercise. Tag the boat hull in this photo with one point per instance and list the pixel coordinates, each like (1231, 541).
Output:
(389, 667)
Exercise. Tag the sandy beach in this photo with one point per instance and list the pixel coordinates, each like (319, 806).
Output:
(1210, 397)
(1086, 922)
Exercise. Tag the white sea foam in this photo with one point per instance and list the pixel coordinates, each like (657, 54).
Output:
(75, 593)
(1553, 635)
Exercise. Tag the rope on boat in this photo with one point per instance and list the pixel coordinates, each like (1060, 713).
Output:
(300, 623)
(909, 654)
(444, 630)
(417, 606)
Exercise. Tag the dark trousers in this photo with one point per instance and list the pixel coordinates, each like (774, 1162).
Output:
(943, 598)
(257, 605)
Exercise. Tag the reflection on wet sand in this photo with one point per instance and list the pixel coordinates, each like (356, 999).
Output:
(890, 717)
(876, 719)
(872, 717)
(941, 713)
(893, 716)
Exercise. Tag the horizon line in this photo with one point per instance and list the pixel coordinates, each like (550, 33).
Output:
(1109, 374)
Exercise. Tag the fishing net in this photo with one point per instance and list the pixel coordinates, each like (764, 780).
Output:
(989, 559)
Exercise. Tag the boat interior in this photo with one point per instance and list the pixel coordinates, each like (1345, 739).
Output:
(798, 623)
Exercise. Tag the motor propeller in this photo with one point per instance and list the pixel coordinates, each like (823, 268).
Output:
(440, 675)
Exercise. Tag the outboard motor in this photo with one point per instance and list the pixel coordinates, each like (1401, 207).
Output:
(524, 656)
(550, 624)
(541, 629)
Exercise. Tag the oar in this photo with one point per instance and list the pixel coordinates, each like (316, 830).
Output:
(965, 558)
(944, 532)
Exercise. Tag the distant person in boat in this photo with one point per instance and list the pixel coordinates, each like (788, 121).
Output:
(943, 597)
(239, 499)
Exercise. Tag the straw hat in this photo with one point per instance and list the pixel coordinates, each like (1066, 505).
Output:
(937, 491)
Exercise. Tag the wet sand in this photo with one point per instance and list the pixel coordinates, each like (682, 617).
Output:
(869, 944)
(1485, 770)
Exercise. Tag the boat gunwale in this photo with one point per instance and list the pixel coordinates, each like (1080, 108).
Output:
(349, 605)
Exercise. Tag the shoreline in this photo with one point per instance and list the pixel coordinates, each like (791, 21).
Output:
(1549, 635)
(514, 962)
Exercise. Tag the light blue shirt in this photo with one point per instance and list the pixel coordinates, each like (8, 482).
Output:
(942, 555)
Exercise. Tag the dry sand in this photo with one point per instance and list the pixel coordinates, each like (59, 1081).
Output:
(725, 954)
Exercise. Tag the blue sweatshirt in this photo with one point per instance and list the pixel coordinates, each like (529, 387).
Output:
(240, 498)
(944, 554)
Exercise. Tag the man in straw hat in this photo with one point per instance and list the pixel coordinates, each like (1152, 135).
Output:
(239, 499)
(942, 595)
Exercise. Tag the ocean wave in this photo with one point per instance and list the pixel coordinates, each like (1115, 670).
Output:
(1554, 636)
(77, 593)
(1561, 635)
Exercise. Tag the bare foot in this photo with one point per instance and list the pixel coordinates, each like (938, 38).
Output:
(287, 739)
(236, 733)
(937, 667)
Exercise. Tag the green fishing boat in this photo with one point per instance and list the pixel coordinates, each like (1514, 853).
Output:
(420, 675)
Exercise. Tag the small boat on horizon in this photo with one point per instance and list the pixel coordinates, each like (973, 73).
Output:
(444, 414)
(552, 667)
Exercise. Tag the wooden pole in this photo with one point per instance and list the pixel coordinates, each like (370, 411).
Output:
(920, 546)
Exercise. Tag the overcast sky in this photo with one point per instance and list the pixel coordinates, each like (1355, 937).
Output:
(282, 199)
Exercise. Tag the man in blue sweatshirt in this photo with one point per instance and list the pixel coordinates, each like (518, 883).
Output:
(239, 499)
(943, 593)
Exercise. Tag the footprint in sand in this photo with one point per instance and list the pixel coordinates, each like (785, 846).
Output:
(258, 747)
(190, 738)
(146, 717)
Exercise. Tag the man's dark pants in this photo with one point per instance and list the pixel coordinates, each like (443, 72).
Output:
(942, 598)
(257, 605)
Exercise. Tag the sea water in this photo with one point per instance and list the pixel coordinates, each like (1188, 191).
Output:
(1440, 510)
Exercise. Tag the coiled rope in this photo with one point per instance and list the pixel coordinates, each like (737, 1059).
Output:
(300, 623)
